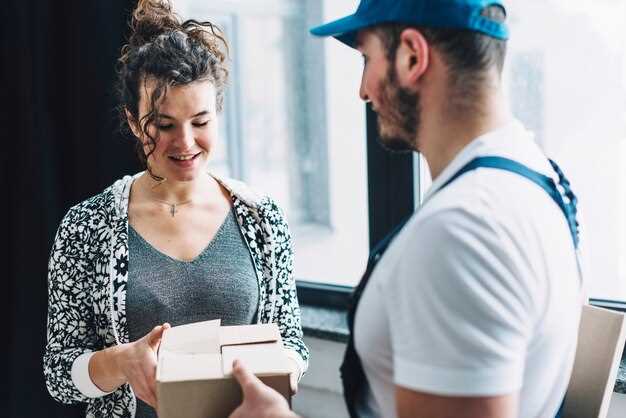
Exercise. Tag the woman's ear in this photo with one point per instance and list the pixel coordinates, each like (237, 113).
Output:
(412, 57)
(134, 126)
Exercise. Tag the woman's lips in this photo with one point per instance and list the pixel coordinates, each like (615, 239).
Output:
(186, 163)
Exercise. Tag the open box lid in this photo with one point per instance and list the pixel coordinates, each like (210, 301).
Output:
(248, 334)
(204, 350)
(199, 337)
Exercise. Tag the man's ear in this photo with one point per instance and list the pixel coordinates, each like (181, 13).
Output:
(412, 58)
(133, 124)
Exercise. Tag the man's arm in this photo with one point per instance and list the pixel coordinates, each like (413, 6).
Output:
(412, 404)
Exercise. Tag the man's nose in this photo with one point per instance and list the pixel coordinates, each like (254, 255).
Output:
(363, 91)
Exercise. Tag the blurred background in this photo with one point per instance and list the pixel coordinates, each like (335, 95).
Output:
(293, 126)
(60, 145)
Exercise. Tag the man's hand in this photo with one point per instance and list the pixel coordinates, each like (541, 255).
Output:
(259, 400)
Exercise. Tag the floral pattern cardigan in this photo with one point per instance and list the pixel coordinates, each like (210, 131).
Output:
(87, 276)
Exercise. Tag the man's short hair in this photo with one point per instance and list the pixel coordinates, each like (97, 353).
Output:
(469, 55)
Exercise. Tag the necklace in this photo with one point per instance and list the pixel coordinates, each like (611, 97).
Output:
(173, 206)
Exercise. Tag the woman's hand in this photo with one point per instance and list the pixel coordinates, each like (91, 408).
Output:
(134, 363)
(137, 362)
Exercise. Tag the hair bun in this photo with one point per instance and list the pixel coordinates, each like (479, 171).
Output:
(150, 19)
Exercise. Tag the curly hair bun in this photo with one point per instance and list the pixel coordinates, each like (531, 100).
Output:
(150, 19)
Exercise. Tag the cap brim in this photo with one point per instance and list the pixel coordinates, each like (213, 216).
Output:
(344, 29)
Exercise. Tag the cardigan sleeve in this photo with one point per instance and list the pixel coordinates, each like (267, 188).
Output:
(287, 309)
(70, 326)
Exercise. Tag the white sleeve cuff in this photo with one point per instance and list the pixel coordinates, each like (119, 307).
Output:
(458, 382)
(298, 360)
(81, 378)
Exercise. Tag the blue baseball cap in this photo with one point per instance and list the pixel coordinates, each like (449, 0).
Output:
(452, 14)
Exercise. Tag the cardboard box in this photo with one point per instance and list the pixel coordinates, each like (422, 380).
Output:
(194, 370)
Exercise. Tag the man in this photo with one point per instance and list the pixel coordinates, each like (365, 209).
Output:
(473, 310)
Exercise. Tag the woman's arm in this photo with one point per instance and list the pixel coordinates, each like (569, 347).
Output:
(76, 365)
(287, 314)
(71, 326)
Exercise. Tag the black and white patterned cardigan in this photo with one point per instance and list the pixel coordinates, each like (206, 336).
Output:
(87, 276)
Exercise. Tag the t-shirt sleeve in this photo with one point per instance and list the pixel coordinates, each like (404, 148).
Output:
(459, 315)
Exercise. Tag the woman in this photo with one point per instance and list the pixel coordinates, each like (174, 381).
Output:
(170, 245)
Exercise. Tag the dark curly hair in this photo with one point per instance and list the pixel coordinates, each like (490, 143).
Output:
(170, 52)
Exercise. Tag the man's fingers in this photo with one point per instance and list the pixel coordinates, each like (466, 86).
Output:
(246, 379)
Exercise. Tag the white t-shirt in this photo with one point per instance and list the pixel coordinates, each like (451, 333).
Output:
(480, 293)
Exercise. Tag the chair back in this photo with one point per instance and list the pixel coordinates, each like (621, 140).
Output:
(601, 339)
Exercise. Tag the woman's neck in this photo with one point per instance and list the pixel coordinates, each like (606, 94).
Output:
(172, 191)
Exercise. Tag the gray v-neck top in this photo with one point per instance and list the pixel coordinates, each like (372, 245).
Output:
(220, 283)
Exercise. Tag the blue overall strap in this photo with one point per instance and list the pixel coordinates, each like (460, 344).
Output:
(567, 204)
(559, 413)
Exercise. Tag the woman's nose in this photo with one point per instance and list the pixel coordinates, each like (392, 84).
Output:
(185, 137)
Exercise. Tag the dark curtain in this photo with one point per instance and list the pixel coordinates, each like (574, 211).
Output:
(60, 144)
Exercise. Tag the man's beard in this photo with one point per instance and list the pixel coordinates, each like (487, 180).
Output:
(398, 116)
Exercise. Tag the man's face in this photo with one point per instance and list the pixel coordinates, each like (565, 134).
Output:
(396, 107)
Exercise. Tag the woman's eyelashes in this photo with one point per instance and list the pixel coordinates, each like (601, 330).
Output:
(169, 126)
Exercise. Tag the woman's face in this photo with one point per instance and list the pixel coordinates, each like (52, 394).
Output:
(186, 132)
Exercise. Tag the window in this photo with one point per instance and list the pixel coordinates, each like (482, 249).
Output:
(293, 126)
(566, 80)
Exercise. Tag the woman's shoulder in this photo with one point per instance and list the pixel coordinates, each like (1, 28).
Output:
(240, 190)
(252, 199)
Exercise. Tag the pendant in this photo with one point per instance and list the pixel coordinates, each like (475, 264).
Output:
(172, 210)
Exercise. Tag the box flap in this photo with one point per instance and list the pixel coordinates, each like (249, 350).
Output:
(199, 337)
(177, 367)
(249, 334)
(260, 359)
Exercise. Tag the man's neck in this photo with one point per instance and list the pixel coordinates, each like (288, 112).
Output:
(442, 138)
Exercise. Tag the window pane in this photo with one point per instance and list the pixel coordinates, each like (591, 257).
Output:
(294, 127)
(566, 77)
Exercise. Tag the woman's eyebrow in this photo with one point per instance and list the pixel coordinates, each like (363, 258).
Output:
(165, 116)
